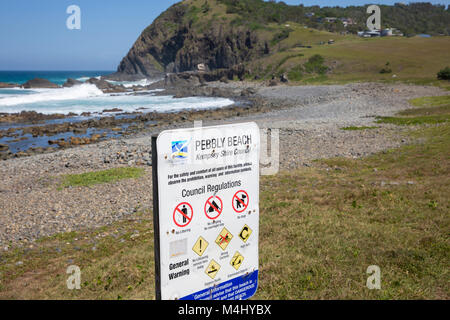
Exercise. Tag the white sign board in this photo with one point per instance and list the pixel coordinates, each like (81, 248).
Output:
(206, 212)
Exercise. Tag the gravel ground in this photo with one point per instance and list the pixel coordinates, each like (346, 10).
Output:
(31, 206)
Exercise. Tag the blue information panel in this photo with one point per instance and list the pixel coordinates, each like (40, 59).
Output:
(239, 288)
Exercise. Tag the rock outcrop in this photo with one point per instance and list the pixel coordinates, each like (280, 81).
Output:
(183, 39)
(5, 85)
(106, 86)
(71, 82)
(39, 83)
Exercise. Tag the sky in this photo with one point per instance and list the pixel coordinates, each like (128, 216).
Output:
(34, 35)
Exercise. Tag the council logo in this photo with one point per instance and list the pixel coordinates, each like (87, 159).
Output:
(180, 149)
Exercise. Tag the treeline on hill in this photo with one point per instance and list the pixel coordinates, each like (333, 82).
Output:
(411, 19)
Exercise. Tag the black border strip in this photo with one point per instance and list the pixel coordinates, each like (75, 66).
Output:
(156, 218)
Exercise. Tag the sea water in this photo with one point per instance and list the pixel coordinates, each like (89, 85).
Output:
(88, 98)
(58, 77)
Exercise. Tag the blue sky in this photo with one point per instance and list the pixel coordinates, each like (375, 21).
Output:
(33, 34)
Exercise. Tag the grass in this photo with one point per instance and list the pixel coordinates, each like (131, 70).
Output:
(353, 59)
(98, 177)
(320, 229)
(412, 121)
(436, 101)
(116, 262)
(430, 110)
(353, 128)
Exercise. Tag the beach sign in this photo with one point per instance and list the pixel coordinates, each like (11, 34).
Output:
(206, 212)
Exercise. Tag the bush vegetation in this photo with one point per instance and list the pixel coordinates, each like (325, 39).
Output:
(413, 18)
(444, 74)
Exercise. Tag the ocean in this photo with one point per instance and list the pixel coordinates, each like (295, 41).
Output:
(88, 98)
(58, 77)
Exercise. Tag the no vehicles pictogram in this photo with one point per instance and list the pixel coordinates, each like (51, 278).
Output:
(213, 207)
(240, 201)
(182, 215)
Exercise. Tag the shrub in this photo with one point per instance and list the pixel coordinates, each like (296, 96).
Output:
(315, 65)
(444, 74)
(295, 74)
(284, 34)
(205, 7)
(386, 69)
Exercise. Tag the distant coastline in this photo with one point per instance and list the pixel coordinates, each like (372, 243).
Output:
(57, 77)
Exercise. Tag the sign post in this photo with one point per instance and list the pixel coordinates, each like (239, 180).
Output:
(206, 212)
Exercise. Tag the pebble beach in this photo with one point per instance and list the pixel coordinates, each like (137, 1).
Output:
(308, 122)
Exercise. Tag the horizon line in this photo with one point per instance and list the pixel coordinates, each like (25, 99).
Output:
(56, 70)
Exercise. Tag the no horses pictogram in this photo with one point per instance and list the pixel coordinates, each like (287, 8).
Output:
(182, 215)
(213, 207)
(240, 201)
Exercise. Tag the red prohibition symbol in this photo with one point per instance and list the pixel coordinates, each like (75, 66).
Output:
(240, 201)
(182, 215)
(213, 207)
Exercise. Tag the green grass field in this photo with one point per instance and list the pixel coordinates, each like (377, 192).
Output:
(353, 128)
(430, 110)
(353, 59)
(98, 177)
(318, 235)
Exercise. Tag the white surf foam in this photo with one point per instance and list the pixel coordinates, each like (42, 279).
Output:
(130, 84)
(88, 98)
(60, 94)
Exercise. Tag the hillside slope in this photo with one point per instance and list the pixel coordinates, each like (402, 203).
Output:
(262, 37)
(187, 34)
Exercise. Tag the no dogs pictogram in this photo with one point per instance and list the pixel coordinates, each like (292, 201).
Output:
(240, 201)
(213, 207)
(182, 215)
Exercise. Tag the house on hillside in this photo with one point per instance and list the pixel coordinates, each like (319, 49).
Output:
(369, 34)
(330, 19)
(397, 33)
(388, 32)
(347, 21)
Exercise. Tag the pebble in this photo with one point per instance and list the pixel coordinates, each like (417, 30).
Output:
(309, 130)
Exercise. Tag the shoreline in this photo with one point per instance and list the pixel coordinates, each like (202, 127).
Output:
(28, 133)
(309, 127)
(106, 126)
(24, 133)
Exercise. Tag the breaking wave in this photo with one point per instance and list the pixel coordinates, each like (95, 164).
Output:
(60, 94)
(88, 98)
